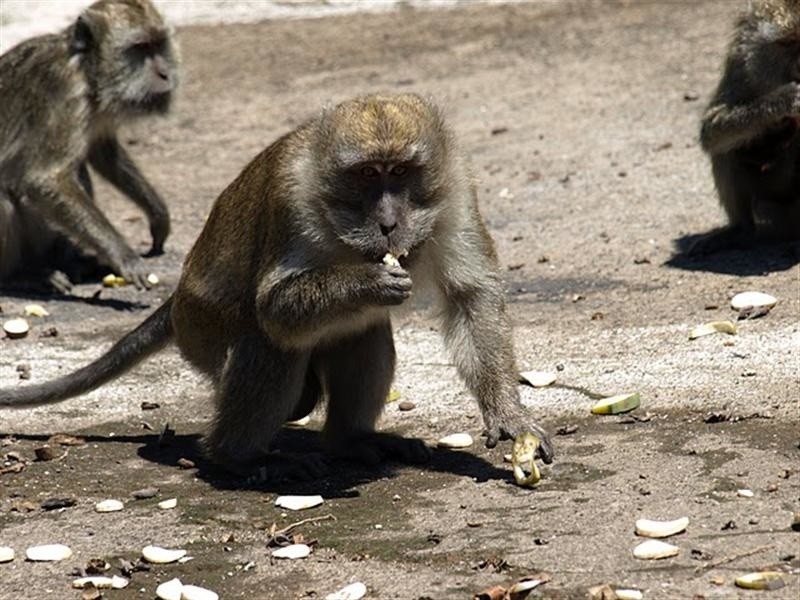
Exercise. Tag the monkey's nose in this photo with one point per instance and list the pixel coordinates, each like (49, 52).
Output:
(387, 229)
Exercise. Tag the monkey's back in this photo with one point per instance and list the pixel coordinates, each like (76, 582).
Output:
(43, 102)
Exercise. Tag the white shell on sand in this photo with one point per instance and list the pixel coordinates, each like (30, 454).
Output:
(292, 552)
(298, 502)
(193, 592)
(48, 552)
(154, 554)
(16, 328)
(752, 299)
(354, 591)
(105, 506)
(660, 529)
(652, 549)
(168, 503)
(6, 554)
(455, 440)
(170, 590)
(114, 582)
(538, 378)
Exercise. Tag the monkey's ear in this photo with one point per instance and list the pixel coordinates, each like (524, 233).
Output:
(82, 36)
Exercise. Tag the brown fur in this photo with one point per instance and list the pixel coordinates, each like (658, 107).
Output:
(284, 299)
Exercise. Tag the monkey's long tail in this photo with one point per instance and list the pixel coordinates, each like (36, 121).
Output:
(149, 337)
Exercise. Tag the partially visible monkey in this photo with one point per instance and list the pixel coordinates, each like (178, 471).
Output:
(62, 98)
(284, 297)
(751, 132)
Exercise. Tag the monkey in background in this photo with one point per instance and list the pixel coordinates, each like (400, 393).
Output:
(750, 129)
(62, 99)
(285, 299)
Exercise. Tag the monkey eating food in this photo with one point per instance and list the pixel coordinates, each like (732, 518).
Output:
(750, 129)
(285, 298)
(62, 99)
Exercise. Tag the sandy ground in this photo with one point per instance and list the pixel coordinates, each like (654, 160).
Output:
(581, 120)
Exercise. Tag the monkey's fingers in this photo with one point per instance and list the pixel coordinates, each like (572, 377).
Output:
(497, 433)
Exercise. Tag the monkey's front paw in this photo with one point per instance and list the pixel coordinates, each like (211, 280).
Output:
(374, 448)
(135, 271)
(159, 230)
(59, 281)
(391, 285)
(497, 431)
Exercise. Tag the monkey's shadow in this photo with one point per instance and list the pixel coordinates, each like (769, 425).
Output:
(343, 477)
(755, 260)
(341, 481)
(32, 293)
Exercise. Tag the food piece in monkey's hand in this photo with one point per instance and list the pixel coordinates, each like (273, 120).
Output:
(390, 260)
(523, 459)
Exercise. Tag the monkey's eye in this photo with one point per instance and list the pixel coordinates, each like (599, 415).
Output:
(369, 171)
(399, 170)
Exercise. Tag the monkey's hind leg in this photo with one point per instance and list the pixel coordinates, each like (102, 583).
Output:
(259, 389)
(357, 373)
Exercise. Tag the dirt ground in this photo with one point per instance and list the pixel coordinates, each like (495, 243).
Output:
(581, 120)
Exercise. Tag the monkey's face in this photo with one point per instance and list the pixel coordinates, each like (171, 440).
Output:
(382, 206)
(383, 169)
(131, 56)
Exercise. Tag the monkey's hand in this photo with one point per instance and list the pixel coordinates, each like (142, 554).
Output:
(387, 285)
(132, 268)
(507, 427)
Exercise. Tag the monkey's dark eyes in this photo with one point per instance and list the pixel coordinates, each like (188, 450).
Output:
(399, 170)
(369, 171)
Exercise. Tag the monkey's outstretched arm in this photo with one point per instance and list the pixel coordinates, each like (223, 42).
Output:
(477, 333)
(64, 203)
(114, 163)
(726, 127)
(299, 307)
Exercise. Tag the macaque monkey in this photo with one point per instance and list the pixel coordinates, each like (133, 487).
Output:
(750, 129)
(62, 98)
(286, 298)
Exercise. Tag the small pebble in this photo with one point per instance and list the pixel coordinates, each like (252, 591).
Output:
(145, 493)
(406, 405)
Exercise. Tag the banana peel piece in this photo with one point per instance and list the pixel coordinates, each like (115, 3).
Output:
(614, 405)
(523, 459)
(765, 580)
(713, 327)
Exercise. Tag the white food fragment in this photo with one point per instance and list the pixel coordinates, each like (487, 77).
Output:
(292, 552)
(298, 502)
(354, 591)
(105, 506)
(48, 553)
(157, 555)
(456, 440)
